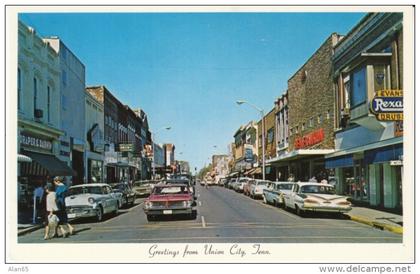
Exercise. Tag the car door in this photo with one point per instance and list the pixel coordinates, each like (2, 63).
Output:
(289, 197)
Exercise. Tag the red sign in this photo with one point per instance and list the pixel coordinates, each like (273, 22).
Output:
(310, 139)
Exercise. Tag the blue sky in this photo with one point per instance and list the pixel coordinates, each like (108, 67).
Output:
(186, 70)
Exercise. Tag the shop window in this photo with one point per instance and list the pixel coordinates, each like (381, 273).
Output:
(358, 87)
(35, 94)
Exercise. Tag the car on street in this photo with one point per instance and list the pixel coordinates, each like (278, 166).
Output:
(316, 197)
(275, 192)
(170, 199)
(91, 200)
(232, 182)
(128, 196)
(182, 181)
(239, 185)
(256, 188)
(143, 188)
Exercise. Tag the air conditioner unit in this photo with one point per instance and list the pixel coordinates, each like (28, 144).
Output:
(38, 113)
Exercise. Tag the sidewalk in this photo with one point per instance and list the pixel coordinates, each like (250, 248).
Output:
(376, 218)
(25, 222)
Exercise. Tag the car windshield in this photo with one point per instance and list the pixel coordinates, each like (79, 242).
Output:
(262, 183)
(285, 186)
(119, 187)
(84, 190)
(319, 189)
(170, 190)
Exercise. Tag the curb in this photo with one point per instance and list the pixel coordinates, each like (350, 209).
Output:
(383, 226)
(28, 230)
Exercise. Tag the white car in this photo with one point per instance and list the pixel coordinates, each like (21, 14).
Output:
(256, 188)
(239, 185)
(306, 197)
(275, 192)
(91, 200)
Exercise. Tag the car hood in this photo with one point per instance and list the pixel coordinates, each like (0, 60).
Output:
(325, 197)
(81, 199)
(169, 197)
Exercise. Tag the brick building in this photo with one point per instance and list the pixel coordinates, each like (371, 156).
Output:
(270, 145)
(310, 115)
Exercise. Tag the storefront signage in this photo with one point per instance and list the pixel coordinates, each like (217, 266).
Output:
(31, 141)
(249, 153)
(387, 105)
(310, 139)
(126, 147)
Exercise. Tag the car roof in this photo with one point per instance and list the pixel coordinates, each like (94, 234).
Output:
(312, 184)
(87, 185)
(171, 185)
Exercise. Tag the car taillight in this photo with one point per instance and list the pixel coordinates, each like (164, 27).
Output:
(344, 203)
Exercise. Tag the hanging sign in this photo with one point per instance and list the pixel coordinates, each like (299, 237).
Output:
(388, 105)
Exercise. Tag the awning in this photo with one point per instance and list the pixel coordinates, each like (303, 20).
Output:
(341, 161)
(45, 164)
(299, 154)
(24, 159)
(384, 154)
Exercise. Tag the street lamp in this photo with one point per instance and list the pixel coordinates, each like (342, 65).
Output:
(261, 111)
(153, 141)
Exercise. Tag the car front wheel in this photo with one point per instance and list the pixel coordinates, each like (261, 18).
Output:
(99, 214)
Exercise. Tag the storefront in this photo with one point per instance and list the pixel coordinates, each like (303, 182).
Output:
(37, 163)
(371, 173)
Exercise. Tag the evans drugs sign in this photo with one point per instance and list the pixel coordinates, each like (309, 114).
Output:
(387, 105)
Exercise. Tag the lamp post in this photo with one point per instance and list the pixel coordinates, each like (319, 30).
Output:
(261, 111)
(153, 141)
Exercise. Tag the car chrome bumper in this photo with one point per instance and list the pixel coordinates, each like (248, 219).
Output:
(168, 211)
(81, 212)
(321, 208)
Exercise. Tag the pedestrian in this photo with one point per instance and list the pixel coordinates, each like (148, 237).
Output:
(324, 181)
(313, 180)
(61, 190)
(51, 218)
(38, 194)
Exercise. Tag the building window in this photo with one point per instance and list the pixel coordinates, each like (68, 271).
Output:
(303, 126)
(35, 93)
(328, 114)
(48, 103)
(19, 84)
(311, 122)
(320, 119)
(297, 129)
(64, 77)
(358, 92)
(270, 135)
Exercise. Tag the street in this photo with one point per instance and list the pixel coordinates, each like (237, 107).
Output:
(224, 216)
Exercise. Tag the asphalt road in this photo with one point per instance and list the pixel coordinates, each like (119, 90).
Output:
(224, 216)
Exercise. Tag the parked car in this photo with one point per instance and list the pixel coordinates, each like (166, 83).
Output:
(247, 187)
(232, 182)
(306, 197)
(91, 200)
(128, 196)
(275, 192)
(221, 181)
(256, 188)
(239, 185)
(143, 188)
(170, 199)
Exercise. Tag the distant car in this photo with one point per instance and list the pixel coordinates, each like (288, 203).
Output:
(256, 189)
(232, 182)
(305, 197)
(239, 185)
(275, 192)
(128, 195)
(170, 199)
(91, 200)
(221, 181)
(143, 188)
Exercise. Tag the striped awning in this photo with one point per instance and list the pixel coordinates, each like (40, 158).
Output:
(43, 165)
(23, 159)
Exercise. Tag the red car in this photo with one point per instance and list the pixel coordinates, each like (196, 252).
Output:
(172, 199)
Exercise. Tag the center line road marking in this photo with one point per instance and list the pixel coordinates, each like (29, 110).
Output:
(203, 222)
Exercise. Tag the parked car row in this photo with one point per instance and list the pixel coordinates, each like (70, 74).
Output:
(302, 197)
